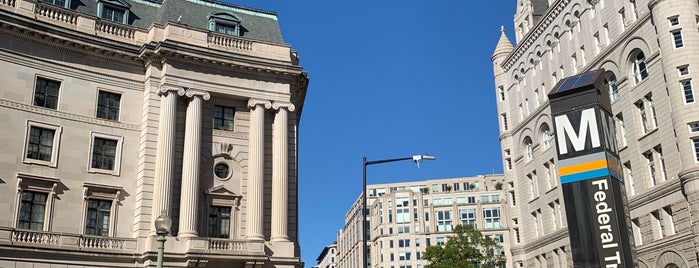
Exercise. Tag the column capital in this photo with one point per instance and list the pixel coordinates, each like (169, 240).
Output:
(198, 93)
(254, 102)
(281, 104)
(167, 88)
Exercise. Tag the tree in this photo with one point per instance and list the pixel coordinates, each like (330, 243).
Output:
(466, 249)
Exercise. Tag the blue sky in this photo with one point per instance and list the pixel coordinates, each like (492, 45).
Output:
(389, 79)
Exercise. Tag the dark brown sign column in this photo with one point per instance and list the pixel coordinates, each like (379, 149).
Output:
(590, 172)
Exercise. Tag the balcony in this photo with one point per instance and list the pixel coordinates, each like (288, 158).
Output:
(55, 240)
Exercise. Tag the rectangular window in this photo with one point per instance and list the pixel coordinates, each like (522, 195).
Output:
(223, 117)
(677, 38)
(501, 91)
(40, 143)
(46, 93)
(683, 70)
(674, 21)
(471, 199)
(688, 91)
(628, 177)
(491, 218)
(667, 221)
(621, 130)
(656, 225)
(694, 127)
(695, 141)
(32, 210)
(60, 3)
(113, 14)
(468, 216)
(622, 19)
(648, 155)
(226, 28)
(108, 105)
(98, 217)
(444, 221)
(104, 153)
(219, 222)
(503, 118)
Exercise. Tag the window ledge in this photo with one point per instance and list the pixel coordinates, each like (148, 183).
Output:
(103, 171)
(648, 133)
(29, 161)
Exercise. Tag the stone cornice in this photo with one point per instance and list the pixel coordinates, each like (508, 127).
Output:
(544, 22)
(665, 243)
(67, 116)
(657, 192)
(540, 243)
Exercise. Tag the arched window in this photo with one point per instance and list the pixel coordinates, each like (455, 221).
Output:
(613, 87)
(529, 148)
(546, 137)
(639, 66)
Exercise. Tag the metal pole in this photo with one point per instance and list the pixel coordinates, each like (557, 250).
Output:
(161, 249)
(364, 247)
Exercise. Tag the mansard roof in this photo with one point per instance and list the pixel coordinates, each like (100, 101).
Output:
(255, 24)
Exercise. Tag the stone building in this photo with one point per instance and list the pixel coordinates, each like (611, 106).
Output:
(327, 257)
(405, 218)
(648, 49)
(115, 110)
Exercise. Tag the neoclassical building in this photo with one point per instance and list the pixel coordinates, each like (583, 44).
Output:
(407, 217)
(648, 49)
(113, 111)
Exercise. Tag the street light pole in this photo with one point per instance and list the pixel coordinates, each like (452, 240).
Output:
(162, 227)
(416, 159)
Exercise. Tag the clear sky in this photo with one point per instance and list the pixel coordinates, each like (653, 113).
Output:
(389, 79)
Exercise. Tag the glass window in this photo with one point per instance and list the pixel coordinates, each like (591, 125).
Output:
(688, 91)
(223, 117)
(221, 170)
(468, 216)
(696, 148)
(60, 3)
(491, 218)
(108, 104)
(97, 217)
(613, 87)
(529, 148)
(677, 38)
(46, 93)
(104, 153)
(40, 143)
(546, 137)
(113, 14)
(219, 221)
(443, 221)
(639, 67)
(674, 21)
(694, 127)
(31, 210)
(226, 28)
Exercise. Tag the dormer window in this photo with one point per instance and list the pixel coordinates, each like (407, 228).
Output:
(60, 3)
(114, 10)
(225, 23)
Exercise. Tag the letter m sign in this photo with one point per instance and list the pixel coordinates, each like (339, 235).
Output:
(566, 134)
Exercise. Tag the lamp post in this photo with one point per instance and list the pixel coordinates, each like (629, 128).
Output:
(415, 158)
(162, 227)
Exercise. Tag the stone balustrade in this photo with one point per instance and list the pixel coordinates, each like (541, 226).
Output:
(52, 12)
(41, 239)
(228, 41)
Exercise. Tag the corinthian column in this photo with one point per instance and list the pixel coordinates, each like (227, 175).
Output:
(189, 196)
(163, 159)
(280, 171)
(256, 159)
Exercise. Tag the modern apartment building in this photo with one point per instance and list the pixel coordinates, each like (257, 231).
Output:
(648, 49)
(113, 111)
(405, 218)
(327, 257)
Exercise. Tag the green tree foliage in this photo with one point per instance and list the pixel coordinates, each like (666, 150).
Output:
(466, 249)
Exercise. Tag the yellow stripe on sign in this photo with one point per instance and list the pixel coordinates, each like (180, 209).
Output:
(583, 167)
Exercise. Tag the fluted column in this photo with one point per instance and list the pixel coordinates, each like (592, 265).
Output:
(189, 196)
(280, 171)
(166, 147)
(256, 159)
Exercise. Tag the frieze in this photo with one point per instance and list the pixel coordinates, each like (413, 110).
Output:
(68, 116)
(229, 134)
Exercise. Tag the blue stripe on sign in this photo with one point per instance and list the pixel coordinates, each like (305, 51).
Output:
(585, 175)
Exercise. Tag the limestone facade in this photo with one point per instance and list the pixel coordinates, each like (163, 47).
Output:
(649, 51)
(113, 111)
